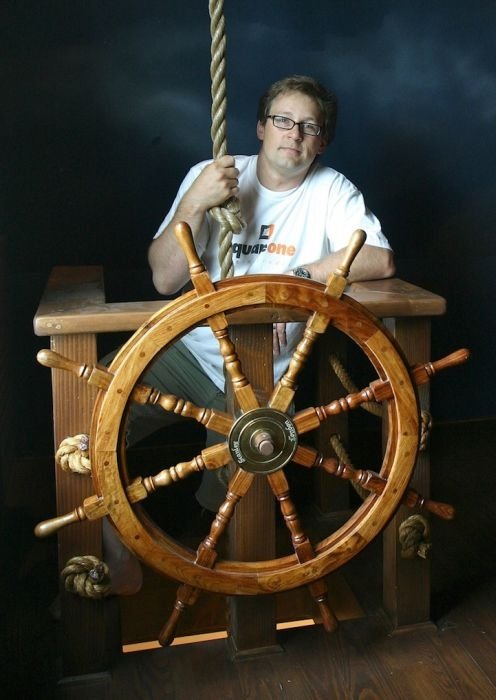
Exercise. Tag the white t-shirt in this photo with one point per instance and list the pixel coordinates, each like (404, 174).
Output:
(284, 230)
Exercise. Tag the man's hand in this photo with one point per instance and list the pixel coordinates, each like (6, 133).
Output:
(216, 183)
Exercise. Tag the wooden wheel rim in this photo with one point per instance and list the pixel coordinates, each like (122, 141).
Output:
(168, 325)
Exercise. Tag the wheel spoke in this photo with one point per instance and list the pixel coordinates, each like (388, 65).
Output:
(100, 377)
(96, 506)
(311, 417)
(242, 389)
(336, 283)
(376, 392)
(217, 421)
(369, 480)
(237, 488)
(284, 391)
(91, 374)
(206, 554)
(280, 487)
(218, 322)
(210, 458)
(301, 544)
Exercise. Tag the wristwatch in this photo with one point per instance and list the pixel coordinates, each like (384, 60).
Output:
(302, 272)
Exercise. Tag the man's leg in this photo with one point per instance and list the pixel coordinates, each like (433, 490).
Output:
(175, 372)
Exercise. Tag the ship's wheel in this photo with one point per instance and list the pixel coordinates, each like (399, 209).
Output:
(259, 440)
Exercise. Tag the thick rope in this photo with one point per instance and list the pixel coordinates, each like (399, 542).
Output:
(229, 215)
(86, 576)
(413, 533)
(73, 455)
(344, 457)
(345, 379)
(425, 430)
(414, 537)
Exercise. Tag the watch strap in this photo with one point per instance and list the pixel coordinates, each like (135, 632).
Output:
(302, 272)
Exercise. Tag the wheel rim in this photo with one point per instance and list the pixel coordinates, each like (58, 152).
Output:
(168, 325)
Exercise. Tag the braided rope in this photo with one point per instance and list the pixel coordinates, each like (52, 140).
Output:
(343, 456)
(413, 533)
(345, 379)
(86, 576)
(414, 537)
(229, 215)
(375, 409)
(73, 455)
(425, 429)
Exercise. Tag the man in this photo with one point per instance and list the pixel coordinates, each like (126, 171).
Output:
(299, 217)
(296, 122)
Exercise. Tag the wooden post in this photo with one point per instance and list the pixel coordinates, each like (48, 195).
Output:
(406, 582)
(252, 619)
(81, 619)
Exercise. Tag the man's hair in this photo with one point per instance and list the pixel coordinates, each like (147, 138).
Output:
(325, 99)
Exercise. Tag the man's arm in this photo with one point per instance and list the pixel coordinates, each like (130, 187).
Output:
(217, 182)
(371, 263)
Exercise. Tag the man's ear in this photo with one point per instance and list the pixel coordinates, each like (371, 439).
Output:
(323, 146)
(260, 130)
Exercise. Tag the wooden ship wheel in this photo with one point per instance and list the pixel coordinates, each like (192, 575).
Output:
(260, 440)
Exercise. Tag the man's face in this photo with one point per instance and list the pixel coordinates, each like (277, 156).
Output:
(290, 153)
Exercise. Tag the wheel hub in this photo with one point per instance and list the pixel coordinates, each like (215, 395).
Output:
(263, 440)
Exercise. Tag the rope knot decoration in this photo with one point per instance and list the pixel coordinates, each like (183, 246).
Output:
(86, 576)
(73, 454)
(414, 537)
(229, 214)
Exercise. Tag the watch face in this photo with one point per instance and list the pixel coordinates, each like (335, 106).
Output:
(302, 272)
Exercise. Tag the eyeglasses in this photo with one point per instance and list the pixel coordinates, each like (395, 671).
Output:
(286, 123)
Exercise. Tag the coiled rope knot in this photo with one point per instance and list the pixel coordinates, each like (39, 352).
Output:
(229, 215)
(231, 222)
(414, 537)
(86, 576)
(73, 454)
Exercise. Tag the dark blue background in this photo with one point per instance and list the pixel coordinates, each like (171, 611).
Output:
(106, 104)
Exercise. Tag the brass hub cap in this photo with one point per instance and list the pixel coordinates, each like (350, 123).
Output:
(263, 440)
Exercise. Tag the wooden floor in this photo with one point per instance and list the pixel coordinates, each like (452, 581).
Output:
(454, 658)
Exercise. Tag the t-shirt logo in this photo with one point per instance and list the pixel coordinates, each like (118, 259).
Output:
(266, 232)
(242, 249)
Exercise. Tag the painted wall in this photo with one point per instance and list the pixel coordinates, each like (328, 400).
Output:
(106, 104)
